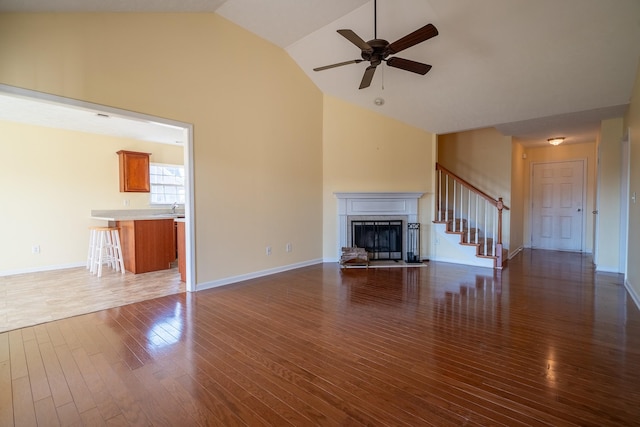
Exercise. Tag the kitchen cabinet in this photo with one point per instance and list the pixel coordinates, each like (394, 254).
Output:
(134, 172)
(147, 245)
(182, 252)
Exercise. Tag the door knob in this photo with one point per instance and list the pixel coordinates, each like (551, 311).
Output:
(579, 210)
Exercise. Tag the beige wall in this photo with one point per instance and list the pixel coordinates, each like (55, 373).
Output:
(607, 240)
(561, 153)
(632, 122)
(57, 177)
(366, 152)
(257, 119)
(483, 158)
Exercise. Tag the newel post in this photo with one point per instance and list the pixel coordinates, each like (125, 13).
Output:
(500, 206)
(499, 260)
(438, 190)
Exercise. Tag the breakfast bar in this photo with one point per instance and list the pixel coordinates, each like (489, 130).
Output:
(148, 237)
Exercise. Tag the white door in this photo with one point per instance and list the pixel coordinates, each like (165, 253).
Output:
(557, 212)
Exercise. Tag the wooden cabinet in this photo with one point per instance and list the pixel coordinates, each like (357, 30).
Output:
(147, 245)
(182, 252)
(134, 171)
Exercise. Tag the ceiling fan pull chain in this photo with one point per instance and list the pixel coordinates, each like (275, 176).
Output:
(375, 19)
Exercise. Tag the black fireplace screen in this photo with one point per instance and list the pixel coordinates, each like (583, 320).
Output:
(381, 239)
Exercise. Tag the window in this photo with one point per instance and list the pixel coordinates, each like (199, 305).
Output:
(167, 184)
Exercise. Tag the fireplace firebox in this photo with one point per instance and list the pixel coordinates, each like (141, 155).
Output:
(381, 239)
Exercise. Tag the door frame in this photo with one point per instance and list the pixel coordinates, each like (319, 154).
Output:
(596, 211)
(583, 228)
(625, 168)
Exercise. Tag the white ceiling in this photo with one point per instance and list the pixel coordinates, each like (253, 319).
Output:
(533, 69)
(83, 117)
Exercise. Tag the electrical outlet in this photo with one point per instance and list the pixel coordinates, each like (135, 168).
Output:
(125, 202)
(35, 249)
(288, 248)
(268, 251)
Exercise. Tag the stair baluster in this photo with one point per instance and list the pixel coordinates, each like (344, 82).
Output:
(469, 216)
(485, 228)
(477, 233)
(454, 205)
(446, 203)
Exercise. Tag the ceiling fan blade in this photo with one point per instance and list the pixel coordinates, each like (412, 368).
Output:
(418, 36)
(408, 65)
(367, 77)
(355, 39)
(339, 64)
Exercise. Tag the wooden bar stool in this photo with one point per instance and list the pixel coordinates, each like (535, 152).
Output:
(105, 248)
(92, 247)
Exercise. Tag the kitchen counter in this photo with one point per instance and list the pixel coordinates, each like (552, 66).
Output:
(136, 214)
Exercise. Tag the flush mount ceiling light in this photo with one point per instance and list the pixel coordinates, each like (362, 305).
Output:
(555, 141)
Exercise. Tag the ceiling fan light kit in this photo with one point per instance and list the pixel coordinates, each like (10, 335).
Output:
(556, 141)
(378, 50)
(379, 101)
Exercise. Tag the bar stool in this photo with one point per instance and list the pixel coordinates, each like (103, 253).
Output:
(92, 247)
(104, 248)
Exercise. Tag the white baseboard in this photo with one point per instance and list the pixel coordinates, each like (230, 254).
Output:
(255, 275)
(605, 269)
(515, 252)
(634, 295)
(41, 269)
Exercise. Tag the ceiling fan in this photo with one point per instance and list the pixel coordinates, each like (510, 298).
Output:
(377, 50)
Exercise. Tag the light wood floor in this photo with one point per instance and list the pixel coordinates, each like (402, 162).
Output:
(30, 299)
(545, 342)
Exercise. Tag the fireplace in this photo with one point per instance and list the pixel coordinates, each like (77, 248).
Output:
(381, 239)
(386, 224)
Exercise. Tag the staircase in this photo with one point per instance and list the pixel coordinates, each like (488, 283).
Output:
(470, 218)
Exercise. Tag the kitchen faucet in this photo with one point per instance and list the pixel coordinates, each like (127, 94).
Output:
(173, 207)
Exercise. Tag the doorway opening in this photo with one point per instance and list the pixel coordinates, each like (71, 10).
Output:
(182, 129)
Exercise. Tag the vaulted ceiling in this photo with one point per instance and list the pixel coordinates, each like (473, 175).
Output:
(533, 69)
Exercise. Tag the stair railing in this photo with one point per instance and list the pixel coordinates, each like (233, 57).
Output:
(470, 211)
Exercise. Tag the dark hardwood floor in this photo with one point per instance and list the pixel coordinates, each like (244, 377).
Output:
(547, 341)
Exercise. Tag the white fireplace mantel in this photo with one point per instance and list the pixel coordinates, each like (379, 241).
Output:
(374, 204)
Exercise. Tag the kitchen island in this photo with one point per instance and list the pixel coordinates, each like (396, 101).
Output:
(147, 237)
(182, 250)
